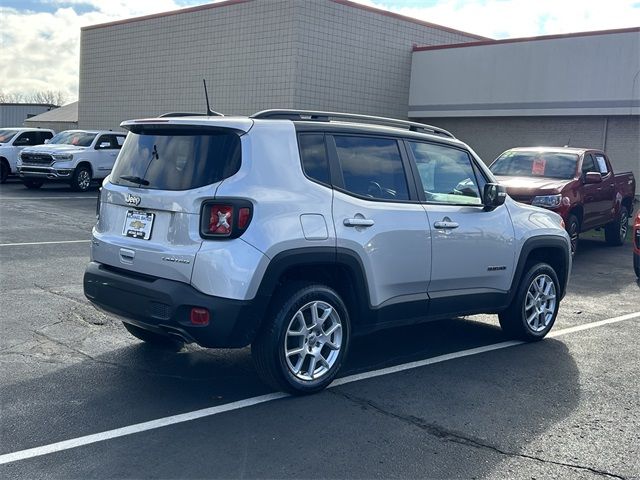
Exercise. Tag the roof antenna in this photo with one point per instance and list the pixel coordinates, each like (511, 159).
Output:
(210, 112)
(568, 142)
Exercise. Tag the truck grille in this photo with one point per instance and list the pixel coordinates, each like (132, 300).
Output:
(36, 158)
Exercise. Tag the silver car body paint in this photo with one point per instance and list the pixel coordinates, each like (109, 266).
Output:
(403, 255)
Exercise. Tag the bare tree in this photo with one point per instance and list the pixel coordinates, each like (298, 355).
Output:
(49, 97)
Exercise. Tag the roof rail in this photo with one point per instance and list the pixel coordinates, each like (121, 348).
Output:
(188, 114)
(319, 116)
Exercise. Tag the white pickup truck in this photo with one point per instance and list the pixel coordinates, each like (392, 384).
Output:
(77, 157)
(12, 141)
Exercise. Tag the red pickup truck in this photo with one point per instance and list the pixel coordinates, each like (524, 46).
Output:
(577, 183)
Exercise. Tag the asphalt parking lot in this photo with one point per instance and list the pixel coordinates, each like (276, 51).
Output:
(80, 398)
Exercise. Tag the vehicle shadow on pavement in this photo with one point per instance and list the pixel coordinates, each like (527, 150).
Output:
(460, 418)
(138, 383)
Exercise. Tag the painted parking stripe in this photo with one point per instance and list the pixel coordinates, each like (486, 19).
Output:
(249, 402)
(43, 243)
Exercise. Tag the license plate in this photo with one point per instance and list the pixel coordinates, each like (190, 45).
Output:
(138, 224)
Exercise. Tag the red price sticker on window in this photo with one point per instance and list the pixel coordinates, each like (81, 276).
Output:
(537, 168)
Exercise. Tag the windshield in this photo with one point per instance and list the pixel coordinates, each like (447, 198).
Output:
(7, 135)
(80, 139)
(536, 164)
(177, 159)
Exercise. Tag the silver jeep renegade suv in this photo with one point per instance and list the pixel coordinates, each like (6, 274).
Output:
(293, 231)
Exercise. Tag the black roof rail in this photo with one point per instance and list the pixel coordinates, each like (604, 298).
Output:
(189, 114)
(319, 116)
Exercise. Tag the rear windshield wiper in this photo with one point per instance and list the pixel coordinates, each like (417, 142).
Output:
(132, 179)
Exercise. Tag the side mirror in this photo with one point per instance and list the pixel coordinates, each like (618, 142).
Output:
(592, 177)
(46, 140)
(104, 145)
(494, 195)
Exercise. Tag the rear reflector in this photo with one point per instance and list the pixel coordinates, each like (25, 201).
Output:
(244, 215)
(199, 316)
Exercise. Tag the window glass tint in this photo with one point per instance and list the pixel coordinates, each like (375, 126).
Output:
(177, 159)
(587, 164)
(314, 156)
(44, 136)
(446, 173)
(6, 135)
(73, 137)
(372, 167)
(536, 164)
(27, 139)
(104, 142)
(120, 140)
(602, 164)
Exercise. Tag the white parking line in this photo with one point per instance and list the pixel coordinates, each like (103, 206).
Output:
(49, 198)
(249, 402)
(43, 243)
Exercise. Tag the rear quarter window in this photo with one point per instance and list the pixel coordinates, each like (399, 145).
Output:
(177, 159)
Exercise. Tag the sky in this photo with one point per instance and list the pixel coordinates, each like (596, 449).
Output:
(40, 39)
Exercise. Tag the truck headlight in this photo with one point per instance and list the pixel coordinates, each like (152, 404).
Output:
(62, 156)
(548, 201)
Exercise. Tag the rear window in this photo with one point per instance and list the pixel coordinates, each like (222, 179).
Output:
(177, 159)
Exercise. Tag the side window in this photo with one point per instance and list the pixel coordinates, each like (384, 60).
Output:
(314, 156)
(45, 136)
(447, 174)
(119, 141)
(587, 164)
(372, 167)
(26, 139)
(104, 142)
(602, 165)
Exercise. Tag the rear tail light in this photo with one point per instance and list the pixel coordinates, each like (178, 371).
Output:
(199, 316)
(225, 219)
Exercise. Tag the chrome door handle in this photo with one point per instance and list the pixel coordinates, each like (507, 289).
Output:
(358, 222)
(446, 225)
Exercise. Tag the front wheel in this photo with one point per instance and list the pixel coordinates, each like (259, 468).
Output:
(302, 345)
(573, 229)
(81, 180)
(534, 308)
(615, 232)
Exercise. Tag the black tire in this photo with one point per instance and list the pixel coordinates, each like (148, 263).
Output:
(514, 319)
(636, 264)
(269, 348)
(573, 229)
(4, 171)
(32, 184)
(615, 232)
(81, 179)
(154, 339)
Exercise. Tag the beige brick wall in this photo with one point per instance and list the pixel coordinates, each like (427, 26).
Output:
(255, 55)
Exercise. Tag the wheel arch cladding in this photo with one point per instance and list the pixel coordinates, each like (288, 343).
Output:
(553, 251)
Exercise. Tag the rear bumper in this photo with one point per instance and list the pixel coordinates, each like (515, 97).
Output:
(163, 306)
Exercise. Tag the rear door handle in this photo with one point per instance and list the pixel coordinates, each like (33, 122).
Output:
(358, 222)
(446, 225)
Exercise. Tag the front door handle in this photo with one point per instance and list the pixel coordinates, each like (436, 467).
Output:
(358, 222)
(446, 225)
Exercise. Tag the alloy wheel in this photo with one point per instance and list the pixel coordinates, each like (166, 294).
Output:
(540, 304)
(313, 341)
(84, 179)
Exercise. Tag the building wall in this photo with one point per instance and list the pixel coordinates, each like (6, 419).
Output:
(14, 115)
(573, 75)
(255, 55)
(619, 136)
(55, 126)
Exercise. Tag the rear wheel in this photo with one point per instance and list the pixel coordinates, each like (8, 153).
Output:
(81, 180)
(154, 339)
(573, 229)
(615, 232)
(304, 341)
(534, 308)
(32, 184)
(4, 171)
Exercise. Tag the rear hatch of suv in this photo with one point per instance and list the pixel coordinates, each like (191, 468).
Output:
(149, 216)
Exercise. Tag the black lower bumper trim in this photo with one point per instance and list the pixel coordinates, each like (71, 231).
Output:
(163, 306)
